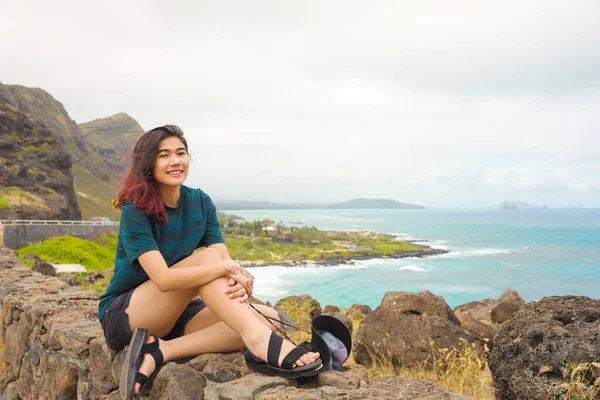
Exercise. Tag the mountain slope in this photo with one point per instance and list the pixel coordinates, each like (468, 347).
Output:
(94, 183)
(374, 204)
(113, 138)
(35, 174)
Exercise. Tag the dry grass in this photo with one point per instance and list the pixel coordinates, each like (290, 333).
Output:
(583, 381)
(463, 369)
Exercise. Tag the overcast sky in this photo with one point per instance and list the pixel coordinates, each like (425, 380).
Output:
(463, 103)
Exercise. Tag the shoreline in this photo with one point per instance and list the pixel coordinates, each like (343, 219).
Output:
(342, 260)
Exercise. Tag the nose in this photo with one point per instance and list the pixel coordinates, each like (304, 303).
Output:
(174, 160)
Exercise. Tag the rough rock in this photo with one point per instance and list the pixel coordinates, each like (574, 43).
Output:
(479, 309)
(402, 327)
(350, 377)
(511, 296)
(356, 310)
(503, 311)
(387, 388)
(178, 382)
(344, 319)
(43, 267)
(477, 327)
(246, 388)
(482, 310)
(221, 371)
(301, 309)
(330, 309)
(101, 357)
(553, 332)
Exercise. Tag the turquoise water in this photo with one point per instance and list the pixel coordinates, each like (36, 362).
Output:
(536, 252)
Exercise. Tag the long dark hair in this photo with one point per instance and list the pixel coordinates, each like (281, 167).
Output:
(139, 186)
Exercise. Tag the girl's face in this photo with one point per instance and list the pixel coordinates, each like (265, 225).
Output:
(172, 162)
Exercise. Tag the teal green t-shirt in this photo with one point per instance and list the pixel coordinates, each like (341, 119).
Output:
(191, 225)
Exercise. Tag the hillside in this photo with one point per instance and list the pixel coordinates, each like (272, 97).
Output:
(374, 204)
(35, 174)
(113, 138)
(94, 183)
(351, 204)
(513, 205)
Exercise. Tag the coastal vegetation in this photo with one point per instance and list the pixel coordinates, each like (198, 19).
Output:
(259, 242)
(96, 255)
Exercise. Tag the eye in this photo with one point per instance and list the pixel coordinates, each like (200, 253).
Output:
(163, 155)
(182, 153)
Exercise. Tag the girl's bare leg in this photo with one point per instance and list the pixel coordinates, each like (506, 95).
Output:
(225, 325)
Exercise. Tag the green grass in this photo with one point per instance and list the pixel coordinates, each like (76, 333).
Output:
(259, 248)
(4, 204)
(99, 255)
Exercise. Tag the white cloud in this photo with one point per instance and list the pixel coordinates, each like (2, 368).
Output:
(437, 104)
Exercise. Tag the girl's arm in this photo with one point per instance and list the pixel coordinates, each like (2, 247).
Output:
(222, 249)
(169, 279)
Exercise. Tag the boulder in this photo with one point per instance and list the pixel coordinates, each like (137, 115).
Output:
(245, 388)
(503, 311)
(43, 267)
(358, 311)
(482, 310)
(177, 382)
(350, 377)
(344, 319)
(388, 388)
(554, 333)
(329, 309)
(301, 309)
(511, 296)
(403, 327)
(476, 327)
(479, 309)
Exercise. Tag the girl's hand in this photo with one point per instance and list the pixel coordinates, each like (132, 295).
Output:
(237, 290)
(239, 274)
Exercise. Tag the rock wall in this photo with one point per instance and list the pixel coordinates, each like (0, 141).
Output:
(54, 349)
(16, 236)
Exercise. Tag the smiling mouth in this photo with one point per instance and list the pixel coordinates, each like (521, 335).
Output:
(175, 173)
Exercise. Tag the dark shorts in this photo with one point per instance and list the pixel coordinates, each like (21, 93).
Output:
(115, 322)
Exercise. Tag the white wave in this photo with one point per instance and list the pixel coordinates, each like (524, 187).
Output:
(412, 267)
(268, 281)
(473, 253)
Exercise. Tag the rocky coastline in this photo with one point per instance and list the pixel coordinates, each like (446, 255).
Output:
(341, 260)
(53, 348)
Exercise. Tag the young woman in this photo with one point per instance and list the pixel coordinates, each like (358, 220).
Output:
(151, 302)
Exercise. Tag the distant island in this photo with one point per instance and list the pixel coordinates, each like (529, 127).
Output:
(515, 205)
(350, 204)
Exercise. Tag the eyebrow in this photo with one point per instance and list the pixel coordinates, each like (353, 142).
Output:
(167, 150)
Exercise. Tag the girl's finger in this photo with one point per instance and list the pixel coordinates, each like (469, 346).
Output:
(238, 293)
(234, 289)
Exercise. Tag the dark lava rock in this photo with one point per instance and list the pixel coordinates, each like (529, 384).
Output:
(553, 332)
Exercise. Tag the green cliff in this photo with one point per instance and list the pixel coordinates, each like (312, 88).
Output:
(94, 183)
(113, 138)
(35, 172)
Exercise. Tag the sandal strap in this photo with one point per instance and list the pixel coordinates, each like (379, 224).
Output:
(291, 358)
(275, 343)
(154, 351)
(140, 378)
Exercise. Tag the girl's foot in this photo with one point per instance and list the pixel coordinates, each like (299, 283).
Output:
(148, 365)
(260, 345)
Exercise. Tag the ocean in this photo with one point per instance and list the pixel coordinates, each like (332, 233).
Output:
(537, 252)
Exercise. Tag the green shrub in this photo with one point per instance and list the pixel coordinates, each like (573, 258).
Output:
(248, 244)
(71, 250)
(4, 204)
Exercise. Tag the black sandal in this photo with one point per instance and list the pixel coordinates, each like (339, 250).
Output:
(287, 369)
(133, 360)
